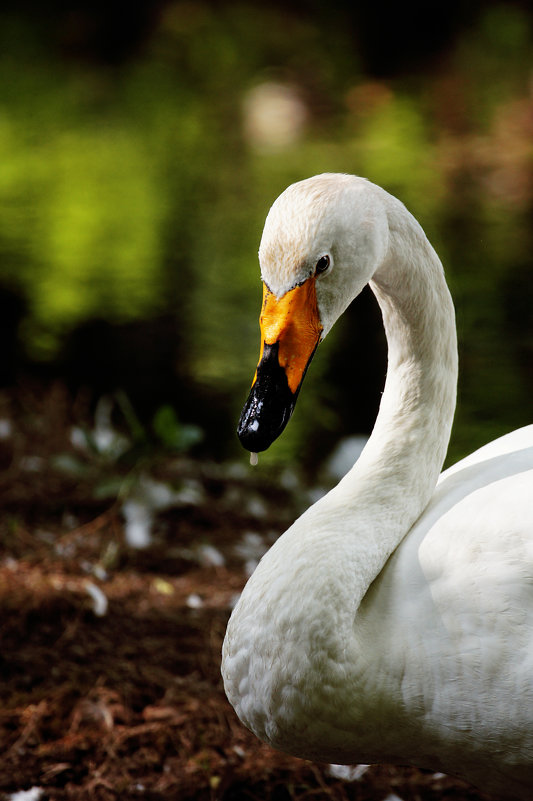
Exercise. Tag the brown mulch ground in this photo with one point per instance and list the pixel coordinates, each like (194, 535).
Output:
(129, 704)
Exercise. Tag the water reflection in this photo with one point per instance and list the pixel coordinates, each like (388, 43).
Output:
(132, 202)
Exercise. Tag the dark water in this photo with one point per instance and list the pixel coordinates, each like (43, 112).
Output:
(132, 197)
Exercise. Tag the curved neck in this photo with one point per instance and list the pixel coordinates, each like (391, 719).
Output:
(390, 485)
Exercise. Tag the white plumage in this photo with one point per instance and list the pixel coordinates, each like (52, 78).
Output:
(393, 622)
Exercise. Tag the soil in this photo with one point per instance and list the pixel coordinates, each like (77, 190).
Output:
(109, 659)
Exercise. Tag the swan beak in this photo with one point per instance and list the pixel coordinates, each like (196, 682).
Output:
(290, 333)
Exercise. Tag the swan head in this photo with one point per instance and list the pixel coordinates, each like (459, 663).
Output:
(322, 242)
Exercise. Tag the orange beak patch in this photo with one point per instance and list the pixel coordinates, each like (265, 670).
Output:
(290, 333)
(293, 322)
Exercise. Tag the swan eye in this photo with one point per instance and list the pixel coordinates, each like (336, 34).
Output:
(322, 265)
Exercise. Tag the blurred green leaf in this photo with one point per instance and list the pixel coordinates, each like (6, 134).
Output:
(172, 433)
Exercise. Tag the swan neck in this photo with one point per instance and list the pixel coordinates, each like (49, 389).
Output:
(394, 478)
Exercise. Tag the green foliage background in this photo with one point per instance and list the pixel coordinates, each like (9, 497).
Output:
(137, 190)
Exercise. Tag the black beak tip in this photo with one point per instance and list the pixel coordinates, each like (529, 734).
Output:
(262, 422)
(269, 406)
(253, 439)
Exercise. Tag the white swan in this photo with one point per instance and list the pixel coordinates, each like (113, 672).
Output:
(393, 622)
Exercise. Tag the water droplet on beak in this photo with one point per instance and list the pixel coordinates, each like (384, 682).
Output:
(253, 459)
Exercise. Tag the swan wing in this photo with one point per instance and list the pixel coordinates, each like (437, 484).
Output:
(453, 610)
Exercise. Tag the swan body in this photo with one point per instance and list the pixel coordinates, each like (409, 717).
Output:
(393, 621)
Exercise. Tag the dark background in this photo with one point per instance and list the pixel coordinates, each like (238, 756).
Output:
(136, 178)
